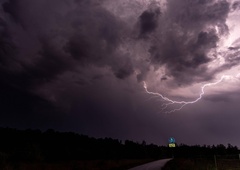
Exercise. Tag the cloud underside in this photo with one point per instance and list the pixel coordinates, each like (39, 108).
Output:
(45, 43)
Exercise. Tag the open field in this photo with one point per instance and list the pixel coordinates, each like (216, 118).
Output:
(202, 164)
(76, 165)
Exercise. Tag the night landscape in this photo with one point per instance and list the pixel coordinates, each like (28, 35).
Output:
(108, 84)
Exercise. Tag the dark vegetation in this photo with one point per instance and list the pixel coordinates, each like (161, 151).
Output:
(197, 157)
(202, 164)
(34, 149)
(205, 151)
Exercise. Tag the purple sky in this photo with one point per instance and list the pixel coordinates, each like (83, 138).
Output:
(80, 65)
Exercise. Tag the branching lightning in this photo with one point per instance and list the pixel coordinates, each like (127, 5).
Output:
(184, 103)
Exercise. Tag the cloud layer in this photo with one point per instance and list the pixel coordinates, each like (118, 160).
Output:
(83, 61)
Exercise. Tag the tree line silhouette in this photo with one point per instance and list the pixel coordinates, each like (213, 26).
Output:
(51, 146)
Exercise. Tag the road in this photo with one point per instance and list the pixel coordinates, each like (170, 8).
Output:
(156, 165)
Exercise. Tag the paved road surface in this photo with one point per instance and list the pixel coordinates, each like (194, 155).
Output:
(156, 165)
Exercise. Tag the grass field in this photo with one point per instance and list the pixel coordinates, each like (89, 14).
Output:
(76, 165)
(202, 164)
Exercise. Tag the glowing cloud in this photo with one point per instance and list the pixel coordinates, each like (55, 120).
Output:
(183, 102)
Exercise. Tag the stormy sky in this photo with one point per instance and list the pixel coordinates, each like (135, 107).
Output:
(81, 65)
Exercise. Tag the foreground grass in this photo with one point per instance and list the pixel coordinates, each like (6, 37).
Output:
(201, 164)
(76, 165)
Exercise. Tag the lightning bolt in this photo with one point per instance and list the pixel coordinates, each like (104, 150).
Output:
(184, 103)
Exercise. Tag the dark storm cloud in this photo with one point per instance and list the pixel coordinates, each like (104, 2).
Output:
(89, 35)
(82, 33)
(71, 63)
(231, 59)
(197, 15)
(7, 47)
(63, 39)
(186, 35)
(12, 8)
(42, 41)
(98, 35)
(236, 5)
(148, 21)
(124, 70)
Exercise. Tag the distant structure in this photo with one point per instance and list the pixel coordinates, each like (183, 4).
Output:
(171, 142)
